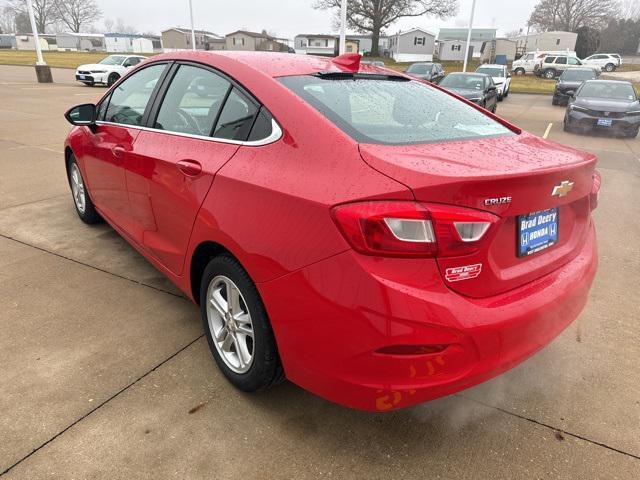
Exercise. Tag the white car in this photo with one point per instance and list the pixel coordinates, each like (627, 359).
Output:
(501, 77)
(528, 61)
(605, 61)
(108, 70)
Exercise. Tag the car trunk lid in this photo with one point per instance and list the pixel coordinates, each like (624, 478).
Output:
(510, 176)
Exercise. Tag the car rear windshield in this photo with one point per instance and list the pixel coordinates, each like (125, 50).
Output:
(393, 112)
(420, 68)
(574, 75)
(471, 82)
(491, 71)
(614, 91)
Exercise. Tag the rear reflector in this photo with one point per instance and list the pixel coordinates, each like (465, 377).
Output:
(595, 190)
(411, 349)
(411, 229)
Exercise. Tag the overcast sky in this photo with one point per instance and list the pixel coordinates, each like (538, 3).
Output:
(286, 18)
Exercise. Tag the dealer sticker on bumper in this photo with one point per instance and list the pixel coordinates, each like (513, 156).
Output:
(537, 231)
(467, 272)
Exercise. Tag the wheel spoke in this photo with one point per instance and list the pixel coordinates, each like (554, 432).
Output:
(233, 298)
(222, 334)
(219, 303)
(243, 353)
(245, 330)
(228, 342)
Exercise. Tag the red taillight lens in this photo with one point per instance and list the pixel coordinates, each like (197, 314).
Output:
(410, 229)
(595, 190)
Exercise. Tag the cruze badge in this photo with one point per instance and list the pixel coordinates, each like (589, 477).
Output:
(563, 189)
(497, 201)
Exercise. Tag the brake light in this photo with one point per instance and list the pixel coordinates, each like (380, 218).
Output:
(411, 229)
(595, 190)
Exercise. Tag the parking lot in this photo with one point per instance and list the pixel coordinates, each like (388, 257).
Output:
(106, 372)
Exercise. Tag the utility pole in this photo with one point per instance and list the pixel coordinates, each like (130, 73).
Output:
(466, 51)
(343, 27)
(193, 32)
(43, 71)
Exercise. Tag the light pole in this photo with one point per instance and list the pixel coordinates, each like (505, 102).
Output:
(193, 32)
(466, 50)
(43, 72)
(343, 27)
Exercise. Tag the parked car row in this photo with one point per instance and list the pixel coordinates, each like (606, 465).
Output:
(551, 64)
(488, 85)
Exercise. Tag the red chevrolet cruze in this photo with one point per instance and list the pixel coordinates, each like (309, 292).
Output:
(375, 239)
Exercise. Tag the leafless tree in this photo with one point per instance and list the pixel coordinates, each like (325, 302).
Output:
(78, 13)
(372, 16)
(569, 15)
(630, 10)
(7, 20)
(44, 11)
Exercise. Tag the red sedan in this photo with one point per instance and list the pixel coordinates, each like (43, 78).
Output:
(376, 240)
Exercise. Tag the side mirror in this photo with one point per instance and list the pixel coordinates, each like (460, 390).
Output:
(508, 75)
(82, 115)
(491, 88)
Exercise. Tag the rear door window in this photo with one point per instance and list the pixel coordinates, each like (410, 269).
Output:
(549, 59)
(237, 117)
(561, 60)
(130, 98)
(193, 101)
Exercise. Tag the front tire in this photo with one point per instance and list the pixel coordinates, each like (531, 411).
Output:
(81, 199)
(519, 71)
(113, 78)
(237, 327)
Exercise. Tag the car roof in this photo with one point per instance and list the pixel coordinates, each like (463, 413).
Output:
(272, 64)
(492, 65)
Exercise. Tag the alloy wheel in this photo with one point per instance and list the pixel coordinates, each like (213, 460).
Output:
(230, 324)
(77, 188)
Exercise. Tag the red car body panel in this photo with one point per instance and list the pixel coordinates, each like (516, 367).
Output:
(332, 309)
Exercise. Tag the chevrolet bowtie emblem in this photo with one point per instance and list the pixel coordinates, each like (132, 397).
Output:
(563, 189)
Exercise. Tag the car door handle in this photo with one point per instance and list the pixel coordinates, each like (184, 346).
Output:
(190, 168)
(118, 151)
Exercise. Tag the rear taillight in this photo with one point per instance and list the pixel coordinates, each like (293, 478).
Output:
(595, 190)
(411, 229)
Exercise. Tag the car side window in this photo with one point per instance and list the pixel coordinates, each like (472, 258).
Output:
(102, 109)
(236, 118)
(561, 60)
(574, 61)
(549, 59)
(193, 101)
(131, 61)
(130, 98)
(262, 127)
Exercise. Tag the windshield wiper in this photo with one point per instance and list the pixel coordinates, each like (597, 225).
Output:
(361, 76)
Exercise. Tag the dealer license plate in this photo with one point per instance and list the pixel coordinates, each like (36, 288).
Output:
(537, 231)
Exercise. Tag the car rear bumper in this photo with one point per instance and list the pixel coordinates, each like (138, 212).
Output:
(332, 317)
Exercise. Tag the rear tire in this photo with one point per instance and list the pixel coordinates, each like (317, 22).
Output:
(81, 198)
(113, 78)
(549, 74)
(609, 67)
(249, 361)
